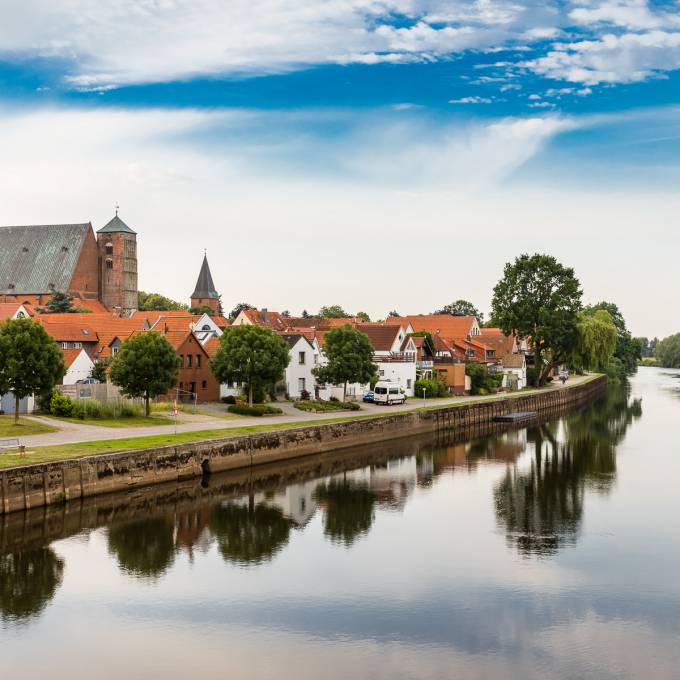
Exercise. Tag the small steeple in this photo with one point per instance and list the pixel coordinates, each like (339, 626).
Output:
(115, 225)
(205, 294)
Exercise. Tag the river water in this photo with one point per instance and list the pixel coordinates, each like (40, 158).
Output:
(546, 552)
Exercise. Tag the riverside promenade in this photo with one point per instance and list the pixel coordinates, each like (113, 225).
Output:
(73, 432)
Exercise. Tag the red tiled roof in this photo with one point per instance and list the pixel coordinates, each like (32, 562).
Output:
(440, 324)
(70, 355)
(274, 320)
(9, 309)
(382, 336)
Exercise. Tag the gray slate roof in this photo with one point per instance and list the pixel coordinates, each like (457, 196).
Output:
(34, 259)
(115, 225)
(205, 288)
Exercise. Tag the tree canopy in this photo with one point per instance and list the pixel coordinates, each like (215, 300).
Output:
(252, 355)
(333, 312)
(98, 371)
(146, 366)
(363, 316)
(596, 341)
(539, 298)
(30, 361)
(202, 309)
(154, 302)
(349, 510)
(238, 308)
(349, 356)
(462, 308)
(667, 351)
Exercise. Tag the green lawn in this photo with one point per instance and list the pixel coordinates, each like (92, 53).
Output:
(25, 427)
(133, 421)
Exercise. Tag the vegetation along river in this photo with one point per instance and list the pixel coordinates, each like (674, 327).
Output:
(551, 551)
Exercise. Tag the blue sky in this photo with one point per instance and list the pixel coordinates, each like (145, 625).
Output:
(310, 140)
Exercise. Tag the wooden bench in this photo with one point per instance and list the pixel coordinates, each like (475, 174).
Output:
(6, 444)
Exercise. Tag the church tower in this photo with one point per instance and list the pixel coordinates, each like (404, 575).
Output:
(117, 249)
(205, 294)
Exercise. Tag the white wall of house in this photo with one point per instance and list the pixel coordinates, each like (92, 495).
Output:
(401, 372)
(79, 369)
(298, 375)
(521, 374)
(205, 325)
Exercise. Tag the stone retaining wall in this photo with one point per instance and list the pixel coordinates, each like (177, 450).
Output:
(44, 484)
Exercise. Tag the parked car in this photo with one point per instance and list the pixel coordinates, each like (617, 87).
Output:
(369, 397)
(386, 392)
(87, 381)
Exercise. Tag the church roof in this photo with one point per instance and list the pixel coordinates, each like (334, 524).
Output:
(39, 258)
(115, 225)
(205, 288)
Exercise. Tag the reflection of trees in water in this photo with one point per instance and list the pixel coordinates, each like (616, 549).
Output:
(249, 534)
(145, 549)
(541, 508)
(28, 581)
(349, 509)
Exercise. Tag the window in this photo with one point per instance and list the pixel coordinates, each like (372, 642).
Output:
(188, 360)
(77, 345)
(109, 263)
(114, 351)
(301, 384)
(198, 361)
(382, 372)
(301, 358)
(408, 383)
(181, 386)
(204, 384)
(64, 345)
(109, 248)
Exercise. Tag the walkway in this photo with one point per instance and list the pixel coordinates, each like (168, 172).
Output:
(73, 432)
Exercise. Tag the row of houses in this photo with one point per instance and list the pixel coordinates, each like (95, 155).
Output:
(406, 348)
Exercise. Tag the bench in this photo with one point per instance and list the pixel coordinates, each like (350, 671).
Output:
(9, 444)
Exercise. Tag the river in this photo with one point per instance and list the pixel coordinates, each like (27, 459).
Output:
(546, 552)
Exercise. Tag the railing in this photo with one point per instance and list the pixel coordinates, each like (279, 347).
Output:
(396, 357)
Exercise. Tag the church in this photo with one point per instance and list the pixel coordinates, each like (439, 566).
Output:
(95, 269)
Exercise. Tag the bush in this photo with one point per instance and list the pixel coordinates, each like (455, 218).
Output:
(481, 381)
(333, 399)
(91, 409)
(532, 376)
(61, 405)
(326, 406)
(229, 399)
(304, 395)
(44, 402)
(433, 389)
(258, 410)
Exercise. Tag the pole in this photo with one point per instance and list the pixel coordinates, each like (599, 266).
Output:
(424, 390)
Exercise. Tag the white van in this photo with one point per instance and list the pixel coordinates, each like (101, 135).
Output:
(386, 392)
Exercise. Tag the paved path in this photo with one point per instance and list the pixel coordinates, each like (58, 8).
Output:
(73, 432)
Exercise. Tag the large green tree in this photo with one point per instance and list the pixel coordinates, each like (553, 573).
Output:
(667, 351)
(238, 308)
(349, 356)
(628, 349)
(30, 361)
(154, 302)
(252, 355)
(333, 312)
(596, 340)
(539, 298)
(146, 366)
(462, 308)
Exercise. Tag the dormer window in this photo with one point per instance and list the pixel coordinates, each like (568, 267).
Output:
(64, 249)
(11, 286)
(24, 249)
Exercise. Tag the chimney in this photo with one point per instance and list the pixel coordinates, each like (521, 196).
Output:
(265, 318)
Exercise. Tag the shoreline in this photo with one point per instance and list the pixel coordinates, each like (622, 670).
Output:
(39, 484)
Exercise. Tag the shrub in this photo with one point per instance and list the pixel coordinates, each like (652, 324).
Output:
(432, 388)
(532, 376)
(258, 410)
(304, 395)
(229, 399)
(318, 406)
(481, 381)
(333, 399)
(61, 405)
(91, 409)
(44, 402)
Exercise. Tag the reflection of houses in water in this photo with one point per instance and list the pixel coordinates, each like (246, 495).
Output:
(506, 448)
(192, 532)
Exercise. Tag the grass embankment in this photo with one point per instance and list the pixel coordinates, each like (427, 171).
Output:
(131, 421)
(26, 426)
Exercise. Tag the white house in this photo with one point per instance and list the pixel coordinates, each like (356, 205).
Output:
(514, 367)
(78, 365)
(206, 328)
(298, 376)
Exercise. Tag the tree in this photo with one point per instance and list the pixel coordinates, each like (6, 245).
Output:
(349, 510)
(333, 312)
(628, 349)
(146, 366)
(241, 306)
(538, 298)
(285, 314)
(202, 309)
(98, 371)
(596, 341)
(154, 302)
(668, 351)
(30, 361)
(394, 312)
(252, 355)
(60, 303)
(305, 314)
(349, 356)
(462, 308)
(363, 316)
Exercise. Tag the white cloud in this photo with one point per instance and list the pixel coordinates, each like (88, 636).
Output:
(471, 100)
(631, 14)
(613, 58)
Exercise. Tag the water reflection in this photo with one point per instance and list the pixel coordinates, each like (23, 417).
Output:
(348, 509)
(541, 507)
(28, 581)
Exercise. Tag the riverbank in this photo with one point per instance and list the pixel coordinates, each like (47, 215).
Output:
(35, 485)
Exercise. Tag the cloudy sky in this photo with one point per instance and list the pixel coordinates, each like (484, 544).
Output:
(377, 154)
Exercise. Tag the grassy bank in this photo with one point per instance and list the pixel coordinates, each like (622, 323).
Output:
(132, 421)
(26, 427)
